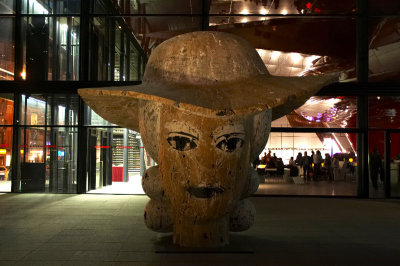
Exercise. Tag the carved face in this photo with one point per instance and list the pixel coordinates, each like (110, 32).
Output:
(204, 162)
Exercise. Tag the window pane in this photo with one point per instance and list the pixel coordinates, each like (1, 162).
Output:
(395, 164)
(33, 110)
(7, 7)
(7, 49)
(149, 7)
(331, 174)
(55, 109)
(51, 48)
(297, 46)
(48, 159)
(93, 119)
(51, 6)
(322, 112)
(6, 109)
(384, 49)
(384, 112)
(284, 7)
(62, 109)
(151, 31)
(61, 159)
(5, 158)
(386, 7)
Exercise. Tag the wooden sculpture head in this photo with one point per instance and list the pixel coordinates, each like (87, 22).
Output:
(204, 111)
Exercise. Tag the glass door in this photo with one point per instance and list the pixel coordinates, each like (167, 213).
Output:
(395, 165)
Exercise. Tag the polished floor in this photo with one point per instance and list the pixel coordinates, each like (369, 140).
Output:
(48, 229)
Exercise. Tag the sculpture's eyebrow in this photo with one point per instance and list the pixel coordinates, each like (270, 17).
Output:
(230, 129)
(184, 134)
(181, 128)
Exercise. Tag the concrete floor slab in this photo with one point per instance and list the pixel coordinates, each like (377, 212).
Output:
(43, 229)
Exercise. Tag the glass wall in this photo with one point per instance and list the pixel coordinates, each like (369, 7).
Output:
(6, 133)
(48, 143)
(308, 164)
(395, 164)
(50, 41)
(322, 112)
(116, 158)
(7, 49)
(115, 53)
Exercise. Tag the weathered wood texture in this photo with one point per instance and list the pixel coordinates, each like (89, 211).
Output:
(204, 111)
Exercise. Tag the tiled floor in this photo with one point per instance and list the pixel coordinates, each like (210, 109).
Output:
(45, 229)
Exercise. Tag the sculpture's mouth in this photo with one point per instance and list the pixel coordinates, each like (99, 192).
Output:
(205, 192)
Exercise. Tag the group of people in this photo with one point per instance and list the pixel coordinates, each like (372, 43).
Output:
(271, 161)
(312, 167)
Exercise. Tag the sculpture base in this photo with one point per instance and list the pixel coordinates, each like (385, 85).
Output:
(165, 245)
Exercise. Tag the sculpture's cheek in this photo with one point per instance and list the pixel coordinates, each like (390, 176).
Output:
(202, 189)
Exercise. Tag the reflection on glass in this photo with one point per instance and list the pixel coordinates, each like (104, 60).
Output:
(7, 49)
(384, 49)
(6, 109)
(153, 30)
(327, 162)
(150, 7)
(36, 48)
(5, 158)
(384, 112)
(57, 109)
(395, 164)
(121, 63)
(61, 160)
(51, 48)
(388, 7)
(283, 7)
(292, 46)
(322, 112)
(93, 119)
(7, 7)
(48, 159)
(50, 6)
(65, 55)
(376, 151)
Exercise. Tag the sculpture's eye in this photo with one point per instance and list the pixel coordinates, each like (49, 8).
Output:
(182, 141)
(230, 142)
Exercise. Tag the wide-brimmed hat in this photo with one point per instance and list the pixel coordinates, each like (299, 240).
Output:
(209, 73)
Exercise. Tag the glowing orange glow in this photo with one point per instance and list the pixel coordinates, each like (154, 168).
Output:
(23, 75)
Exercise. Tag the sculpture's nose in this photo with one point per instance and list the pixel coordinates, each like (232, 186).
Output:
(205, 191)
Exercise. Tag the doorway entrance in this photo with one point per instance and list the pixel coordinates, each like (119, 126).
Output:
(115, 161)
